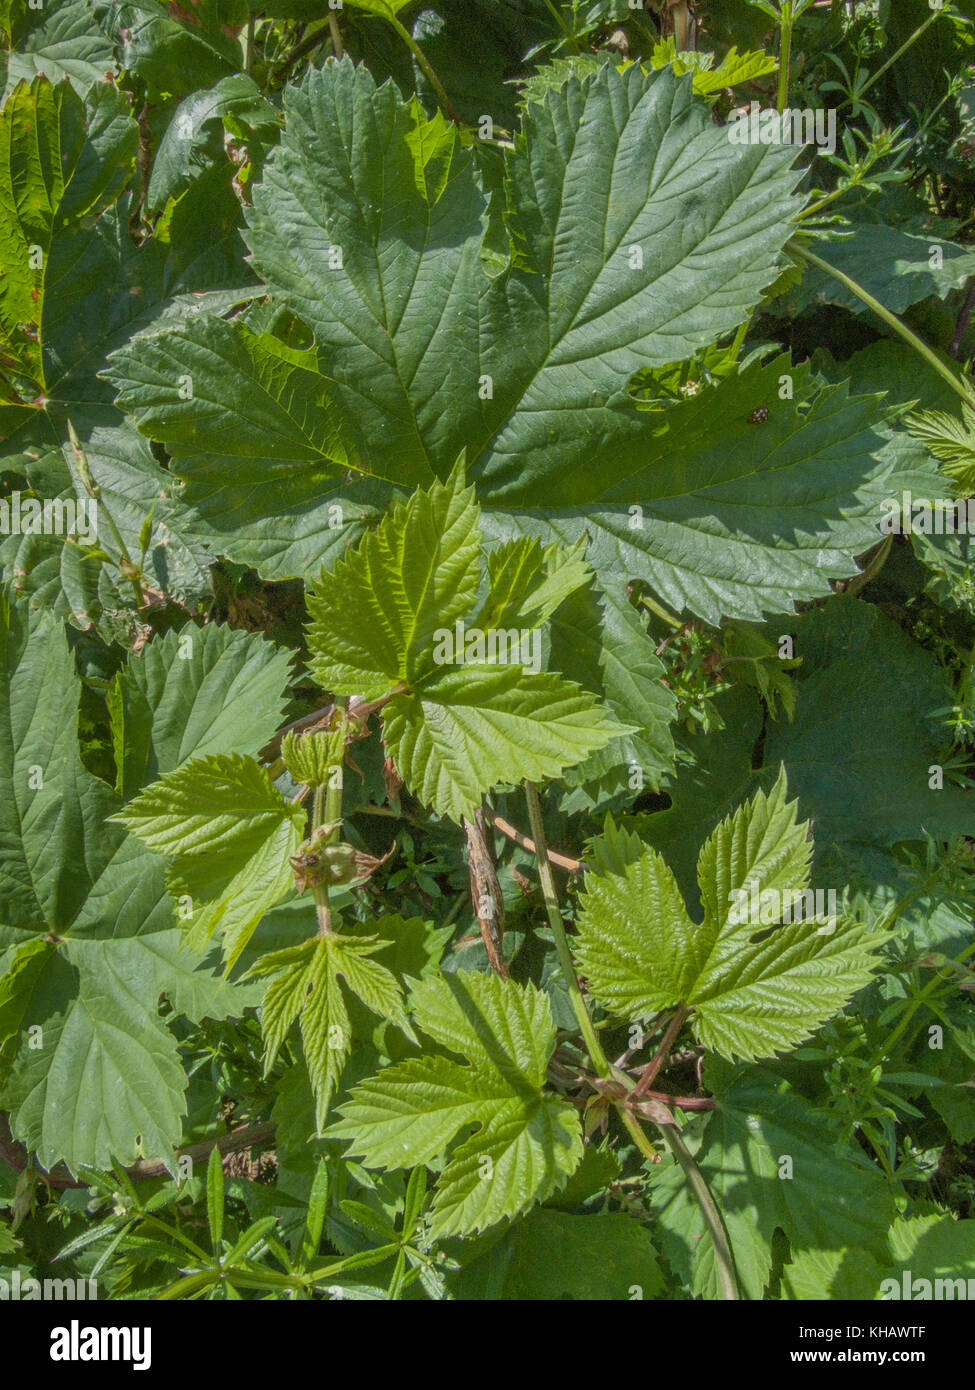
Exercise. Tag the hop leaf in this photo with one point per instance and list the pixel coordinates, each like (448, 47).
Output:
(952, 441)
(755, 988)
(525, 1144)
(454, 731)
(230, 834)
(373, 617)
(306, 985)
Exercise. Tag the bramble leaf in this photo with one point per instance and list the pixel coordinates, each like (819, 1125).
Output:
(194, 692)
(370, 224)
(833, 1197)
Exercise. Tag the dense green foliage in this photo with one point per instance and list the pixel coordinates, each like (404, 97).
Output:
(433, 434)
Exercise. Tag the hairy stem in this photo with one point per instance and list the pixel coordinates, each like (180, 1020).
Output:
(338, 47)
(323, 910)
(785, 58)
(427, 68)
(249, 49)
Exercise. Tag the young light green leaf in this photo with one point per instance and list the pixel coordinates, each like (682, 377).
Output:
(952, 441)
(463, 732)
(217, 805)
(230, 834)
(528, 582)
(373, 618)
(756, 988)
(306, 987)
(526, 1143)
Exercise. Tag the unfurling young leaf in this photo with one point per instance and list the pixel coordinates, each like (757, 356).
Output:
(466, 707)
(312, 758)
(306, 987)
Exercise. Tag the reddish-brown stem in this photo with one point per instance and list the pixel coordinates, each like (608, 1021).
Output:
(660, 1056)
(16, 1156)
(564, 862)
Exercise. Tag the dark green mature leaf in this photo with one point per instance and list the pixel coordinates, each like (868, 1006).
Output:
(554, 1255)
(61, 38)
(175, 58)
(59, 571)
(194, 138)
(58, 163)
(897, 265)
(191, 693)
(770, 1163)
(90, 287)
(607, 172)
(859, 754)
(82, 888)
(726, 517)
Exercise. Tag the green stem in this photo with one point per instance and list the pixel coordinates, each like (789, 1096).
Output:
(333, 795)
(912, 38)
(892, 321)
(560, 21)
(915, 1004)
(662, 613)
(327, 810)
(249, 49)
(427, 67)
(586, 1028)
(785, 59)
(880, 1149)
(338, 47)
(604, 1068)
